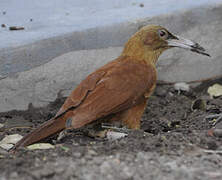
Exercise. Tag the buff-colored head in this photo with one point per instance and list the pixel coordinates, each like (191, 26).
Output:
(150, 41)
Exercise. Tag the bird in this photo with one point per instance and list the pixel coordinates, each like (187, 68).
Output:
(117, 91)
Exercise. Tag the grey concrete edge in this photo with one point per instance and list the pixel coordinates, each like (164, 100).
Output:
(13, 60)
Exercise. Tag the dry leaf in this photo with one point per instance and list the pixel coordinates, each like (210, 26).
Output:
(215, 90)
(111, 135)
(66, 149)
(8, 141)
(40, 146)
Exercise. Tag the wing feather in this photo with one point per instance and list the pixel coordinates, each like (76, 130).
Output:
(117, 86)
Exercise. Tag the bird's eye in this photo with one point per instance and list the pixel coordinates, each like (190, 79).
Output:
(162, 33)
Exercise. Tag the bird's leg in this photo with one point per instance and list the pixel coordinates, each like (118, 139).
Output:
(122, 130)
(126, 120)
(114, 128)
(62, 135)
(95, 130)
(121, 122)
(97, 134)
(131, 118)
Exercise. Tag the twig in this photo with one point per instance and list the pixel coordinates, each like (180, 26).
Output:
(19, 127)
(219, 119)
(122, 130)
(218, 116)
(125, 130)
(212, 152)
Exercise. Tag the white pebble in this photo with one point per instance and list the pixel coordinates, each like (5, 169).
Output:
(182, 86)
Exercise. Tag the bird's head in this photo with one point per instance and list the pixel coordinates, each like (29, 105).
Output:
(150, 41)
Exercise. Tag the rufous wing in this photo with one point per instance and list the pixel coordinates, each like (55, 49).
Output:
(117, 86)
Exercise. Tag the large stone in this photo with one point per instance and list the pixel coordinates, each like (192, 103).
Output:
(42, 84)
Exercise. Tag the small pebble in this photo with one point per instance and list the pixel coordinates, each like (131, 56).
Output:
(212, 145)
(77, 154)
(182, 86)
(111, 135)
(161, 92)
(1, 125)
(14, 175)
(92, 152)
(217, 132)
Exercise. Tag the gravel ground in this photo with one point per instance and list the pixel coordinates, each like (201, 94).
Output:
(172, 144)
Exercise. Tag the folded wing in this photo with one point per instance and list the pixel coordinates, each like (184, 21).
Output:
(117, 86)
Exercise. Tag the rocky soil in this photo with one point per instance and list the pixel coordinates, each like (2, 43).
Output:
(172, 144)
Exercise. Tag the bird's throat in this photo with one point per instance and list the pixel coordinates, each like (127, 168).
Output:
(140, 52)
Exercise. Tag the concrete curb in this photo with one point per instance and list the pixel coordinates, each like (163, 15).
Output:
(22, 58)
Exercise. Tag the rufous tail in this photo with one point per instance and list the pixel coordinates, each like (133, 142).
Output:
(49, 128)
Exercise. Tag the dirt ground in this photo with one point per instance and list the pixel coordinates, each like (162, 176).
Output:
(176, 145)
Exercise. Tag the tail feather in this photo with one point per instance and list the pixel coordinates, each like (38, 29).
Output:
(49, 128)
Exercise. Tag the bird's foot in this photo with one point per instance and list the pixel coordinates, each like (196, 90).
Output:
(61, 135)
(116, 129)
(107, 131)
(97, 133)
(114, 132)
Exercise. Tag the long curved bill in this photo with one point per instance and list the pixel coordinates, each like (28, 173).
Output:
(177, 41)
